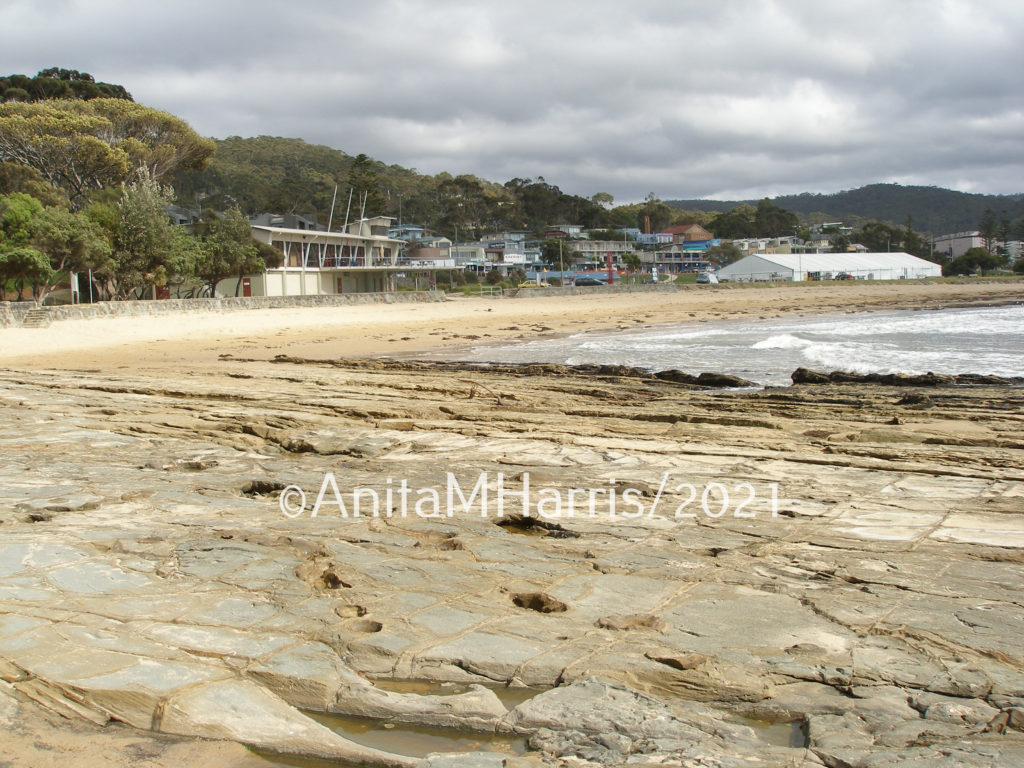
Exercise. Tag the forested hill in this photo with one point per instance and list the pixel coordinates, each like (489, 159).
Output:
(270, 173)
(932, 210)
(280, 175)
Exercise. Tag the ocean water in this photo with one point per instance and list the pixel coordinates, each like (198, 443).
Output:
(987, 340)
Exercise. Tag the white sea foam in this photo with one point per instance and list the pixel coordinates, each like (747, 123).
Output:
(988, 340)
(782, 341)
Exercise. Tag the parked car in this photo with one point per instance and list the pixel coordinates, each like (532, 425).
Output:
(589, 281)
(534, 284)
(706, 278)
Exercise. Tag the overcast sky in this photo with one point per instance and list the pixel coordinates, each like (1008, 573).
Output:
(682, 98)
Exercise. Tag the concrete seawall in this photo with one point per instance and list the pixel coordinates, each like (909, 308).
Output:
(13, 313)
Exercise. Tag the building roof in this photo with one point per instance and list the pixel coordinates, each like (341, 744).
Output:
(678, 229)
(311, 235)
(833, 262)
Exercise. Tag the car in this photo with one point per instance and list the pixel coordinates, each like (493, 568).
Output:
(534, 284)
(585, 281)
(706, 278)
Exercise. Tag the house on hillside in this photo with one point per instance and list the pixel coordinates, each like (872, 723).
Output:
(687, 233)
(595, 253)
(287, 221)
(564, 231)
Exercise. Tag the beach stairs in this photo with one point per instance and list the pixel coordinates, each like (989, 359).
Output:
(36, 318)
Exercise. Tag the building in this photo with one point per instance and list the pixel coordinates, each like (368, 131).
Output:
(407, 232)
(654, 238)
(181, 217)
(594, 253)
(674, 259)
(828, 266)
(567, 230)
(362, 259)
(287, 221)
(959, 243)
(687, 233)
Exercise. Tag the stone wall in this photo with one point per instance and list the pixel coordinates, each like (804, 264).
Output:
(13, 313)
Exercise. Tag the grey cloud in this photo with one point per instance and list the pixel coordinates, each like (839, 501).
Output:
(683, 98)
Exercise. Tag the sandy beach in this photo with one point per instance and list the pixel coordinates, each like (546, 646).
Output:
(393, 329)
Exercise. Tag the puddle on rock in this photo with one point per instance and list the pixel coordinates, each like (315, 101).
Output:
(417, 740)
(402, 739)
(414, 740)
(792, 734)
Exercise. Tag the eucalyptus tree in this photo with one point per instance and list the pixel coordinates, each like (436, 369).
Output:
(82, 146)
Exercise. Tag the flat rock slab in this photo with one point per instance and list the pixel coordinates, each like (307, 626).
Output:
(867, 588)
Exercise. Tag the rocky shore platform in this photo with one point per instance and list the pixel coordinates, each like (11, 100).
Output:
(665, 573)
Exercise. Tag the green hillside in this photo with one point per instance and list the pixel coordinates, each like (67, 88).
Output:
(282, 175)
(932, 210)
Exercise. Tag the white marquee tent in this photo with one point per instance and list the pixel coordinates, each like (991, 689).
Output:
(828, 266)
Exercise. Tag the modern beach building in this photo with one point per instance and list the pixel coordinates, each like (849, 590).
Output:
(828, 266)
(363, 259)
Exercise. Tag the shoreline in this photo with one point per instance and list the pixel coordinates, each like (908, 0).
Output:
(457, 353)
(451, 326)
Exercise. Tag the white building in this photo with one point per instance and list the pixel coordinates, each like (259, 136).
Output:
(828, 266)
(362, 260)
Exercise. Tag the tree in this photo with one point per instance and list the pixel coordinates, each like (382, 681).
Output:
(723, 254)
(654, 215)
(229, 249)
(878, 237)
(144, 239)
(552, 253)
(493, 277)
(364, 181)
(608, 234)
(735, 223)
(24, 264)
(71, 242)
(462, 206)
(1003, 237)
(971, 260)
(632, 261)
(772, 221)
(16, 214)
(21, 178)
(840, 244)
(988, 230)
(56, 83)
(81, 146)
(186, 253)
(602, 199)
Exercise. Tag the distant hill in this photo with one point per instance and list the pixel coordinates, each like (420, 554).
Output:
(282, 175)
(933, 210)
